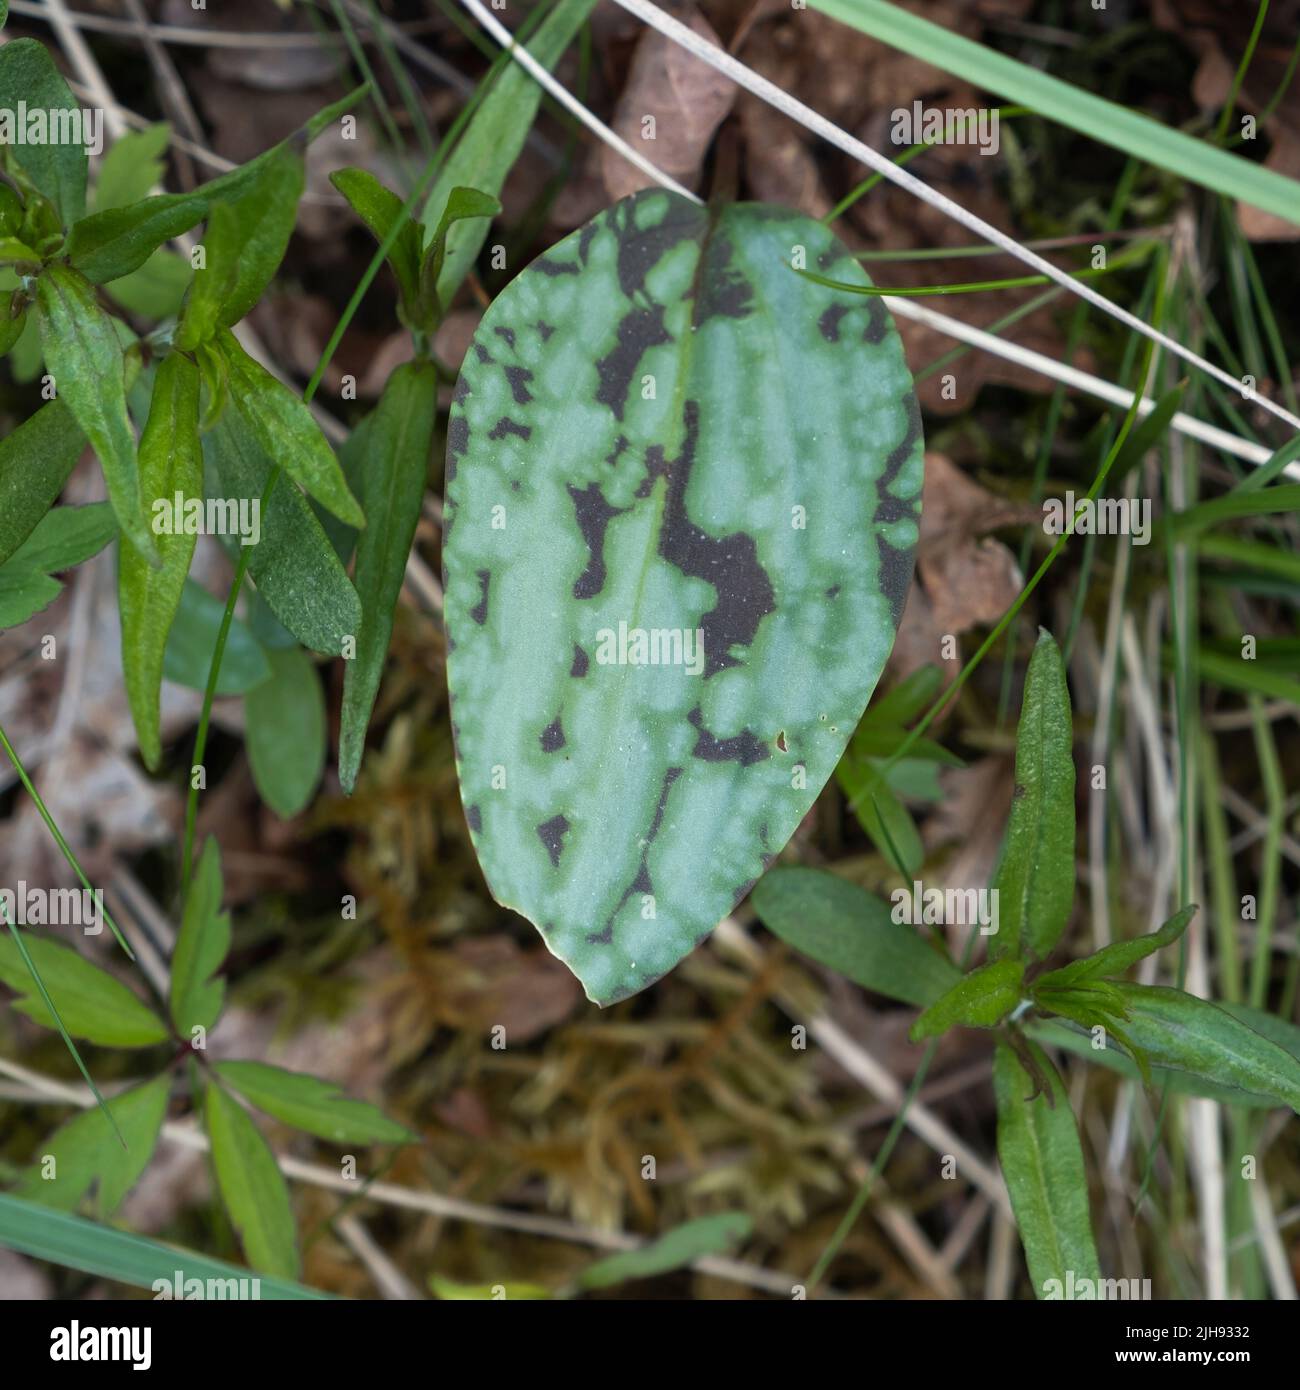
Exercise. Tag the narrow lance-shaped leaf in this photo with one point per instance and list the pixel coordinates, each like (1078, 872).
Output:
(111, 244)
(56, 164)
(1179, 1030)
(400, 437)
(171, 462)
(213, 282)
(87, 1153)
(282, 424)
(1035, 880)
(682, 500)
(463, 205)
(285, 732)
(92, 1004)
(64, 537)
(984, 998)
(1118, 957)
(85, 357)
(36, 460)
(294, 565)
(850, 930)
(197, 990)
(1042, 1162)
(492, 141)
(707, 1235)
(309, 1104)
(252, 1187)
(378, 207)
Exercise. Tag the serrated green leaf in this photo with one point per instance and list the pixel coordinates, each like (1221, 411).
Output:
(93, 1005)
(283, 426)
(981, 1000)
(36, 460)
(315, 1106)
(86, 1153)
(294, 565)
(131, 166)
(171, 462)
(57, 167)
(379, 208)
(85, 358)
(252, 1187)
(108, 245)
(708, 1235)
(285, 734)
(1119, 956)
(197, 990)
(493, 139)
(850, 930)
(1181, 1031)
(1038, 1147)
(1035, 879)
(400, 438)
(641, 800)
(187, 658)
(23, 594)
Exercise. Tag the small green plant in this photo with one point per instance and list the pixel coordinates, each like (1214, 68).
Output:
(1166, 1038)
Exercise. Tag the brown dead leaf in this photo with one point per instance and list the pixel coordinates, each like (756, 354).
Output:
(671, 107)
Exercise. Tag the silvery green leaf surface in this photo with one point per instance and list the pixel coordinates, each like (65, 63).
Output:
(682, 500)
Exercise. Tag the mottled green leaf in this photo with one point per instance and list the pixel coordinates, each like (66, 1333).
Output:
(36, 460)
(661, 429)
(197, 990)
(850, 930)
(85, 358)
(1119, 956)
(315, 1106)
(980, 1000)
(1035, 880)
(87, 1153)
(285, 733)
(1181, 1031)
(171, 462)
(252, 1187)
(493, 139)
(131, 166)
(379, 208)
(57, 166)
(1042, 1162)
(111, 244)
(708, 1235)
(92, 1004)
(400, 437)
(283, 426)
(294, 565)
(193, 638)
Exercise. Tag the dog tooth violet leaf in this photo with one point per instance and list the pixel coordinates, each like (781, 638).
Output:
(683, 491)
